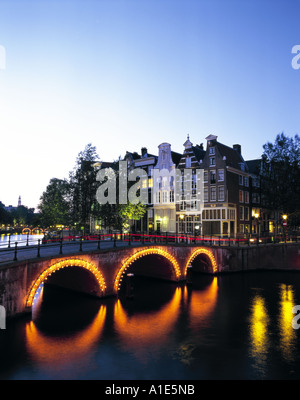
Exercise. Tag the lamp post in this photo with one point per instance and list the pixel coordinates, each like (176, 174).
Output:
(284, 217)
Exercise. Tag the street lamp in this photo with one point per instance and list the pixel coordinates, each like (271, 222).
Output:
(284, 217)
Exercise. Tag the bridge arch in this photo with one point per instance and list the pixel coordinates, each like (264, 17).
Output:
(73, 262)
(37, 230)
(26, 231)
(143, 253)
(198, 252)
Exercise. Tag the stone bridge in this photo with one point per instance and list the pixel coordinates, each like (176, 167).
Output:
(104, 273)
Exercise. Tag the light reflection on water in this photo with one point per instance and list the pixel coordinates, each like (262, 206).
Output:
(227, 327)
(20, 239)
(259, 332)
(287, 332)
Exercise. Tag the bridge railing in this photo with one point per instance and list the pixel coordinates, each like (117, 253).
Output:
(31, 248)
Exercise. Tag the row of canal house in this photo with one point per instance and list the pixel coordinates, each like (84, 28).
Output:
(223, 196)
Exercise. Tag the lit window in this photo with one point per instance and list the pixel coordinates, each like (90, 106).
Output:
(246, 197)
(241, 196)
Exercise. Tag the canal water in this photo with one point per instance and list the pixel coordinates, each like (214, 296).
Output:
(5, 240)
(235, 326)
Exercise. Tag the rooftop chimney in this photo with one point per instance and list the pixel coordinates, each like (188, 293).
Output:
(144, 152)
(238, 148)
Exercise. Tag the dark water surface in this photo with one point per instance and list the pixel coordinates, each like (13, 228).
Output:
(236, 326)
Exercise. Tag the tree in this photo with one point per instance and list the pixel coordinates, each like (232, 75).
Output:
(281, 174)
(54, 205)
(83, 188)
(5, 216)
(131, 211)
(22, 215)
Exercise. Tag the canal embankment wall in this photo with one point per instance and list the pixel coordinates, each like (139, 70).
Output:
(268, 257)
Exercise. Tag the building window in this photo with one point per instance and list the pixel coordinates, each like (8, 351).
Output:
(212, 176)
(157, 197)
(241, 212)
(246, 181)
(247, 228)
(221, 196)
(223, 213)
(206, 194)
(164, 197)
(241, 196)
(188, 162)
(241, 228)
(213, 193)
(171, 196)
(205, 176)
(212, 161)
(255, 181)
(182, 205)
(181, 226)
(220, 175)
(246, 213)
(189, 225)
(165, 182)
(255, 198)
(230, 214)
(211, 150)
(194, 205)
(246, 197)
(194, 181)
(241, 180)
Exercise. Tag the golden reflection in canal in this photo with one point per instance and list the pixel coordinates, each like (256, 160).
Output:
(53, 352)
(259, 331)
(286, 330)
(201, 303)
(147, 330)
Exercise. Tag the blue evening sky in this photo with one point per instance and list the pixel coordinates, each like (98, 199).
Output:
(123, 74)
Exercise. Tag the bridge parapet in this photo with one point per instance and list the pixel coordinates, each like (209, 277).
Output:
(108, 267)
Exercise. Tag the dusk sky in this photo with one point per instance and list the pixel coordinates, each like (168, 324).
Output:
(124, 74)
